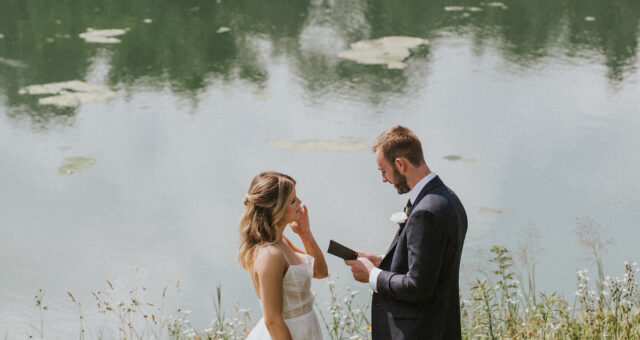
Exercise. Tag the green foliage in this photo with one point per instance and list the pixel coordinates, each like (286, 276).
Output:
(345, 319)
(610, 310)
(496, 309)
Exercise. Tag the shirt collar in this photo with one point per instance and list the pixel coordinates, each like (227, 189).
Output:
(413, 194)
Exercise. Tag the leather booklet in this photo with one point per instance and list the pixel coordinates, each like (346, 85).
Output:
(341, 251)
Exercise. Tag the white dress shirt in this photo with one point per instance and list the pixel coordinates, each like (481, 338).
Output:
(413, 195)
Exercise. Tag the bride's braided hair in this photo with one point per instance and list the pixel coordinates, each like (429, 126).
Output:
(265, 206)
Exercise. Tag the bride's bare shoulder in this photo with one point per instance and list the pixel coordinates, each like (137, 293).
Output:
(268, 257)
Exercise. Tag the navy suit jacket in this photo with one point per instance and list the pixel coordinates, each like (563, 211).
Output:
(418, 288)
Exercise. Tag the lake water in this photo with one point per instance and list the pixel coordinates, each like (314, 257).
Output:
(528, 110)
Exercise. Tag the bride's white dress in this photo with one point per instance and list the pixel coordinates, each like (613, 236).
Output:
(297, 305)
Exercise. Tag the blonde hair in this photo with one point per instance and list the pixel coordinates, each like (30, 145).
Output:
(265, 206)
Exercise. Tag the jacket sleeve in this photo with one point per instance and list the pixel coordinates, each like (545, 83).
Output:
(426, 244)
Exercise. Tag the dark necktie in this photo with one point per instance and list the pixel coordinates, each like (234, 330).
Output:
(407, 208)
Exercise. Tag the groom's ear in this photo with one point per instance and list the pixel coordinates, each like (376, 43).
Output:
(401, 164)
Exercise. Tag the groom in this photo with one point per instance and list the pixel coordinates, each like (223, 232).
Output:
(415, 283)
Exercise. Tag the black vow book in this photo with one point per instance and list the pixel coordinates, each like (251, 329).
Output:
(341, 251)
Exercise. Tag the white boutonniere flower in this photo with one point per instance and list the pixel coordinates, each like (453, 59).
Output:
(399, 217)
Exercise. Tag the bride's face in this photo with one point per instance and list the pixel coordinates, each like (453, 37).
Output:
(293, 208)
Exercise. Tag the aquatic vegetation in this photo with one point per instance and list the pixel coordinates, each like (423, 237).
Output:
(390, 51)
(69, 93)
(102, 36)
(12, 63)
(487, 210)
(455, 158)
(350, 145)
(497, 4)
(74, 164)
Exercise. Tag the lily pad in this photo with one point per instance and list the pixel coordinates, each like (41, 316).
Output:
(455, 158)
(260, 95)
(12, 63)
(69, 93)
(351, 145)
(389, 51)
(102, 36)
(490, 210)
(497, 4)
(72, 165)
(73, 99)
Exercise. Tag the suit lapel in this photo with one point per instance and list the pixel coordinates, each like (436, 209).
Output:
(434, 183)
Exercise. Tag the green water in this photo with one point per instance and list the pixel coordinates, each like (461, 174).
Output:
(529, 111)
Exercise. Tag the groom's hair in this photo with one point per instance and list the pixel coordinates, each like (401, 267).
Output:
(399, 141)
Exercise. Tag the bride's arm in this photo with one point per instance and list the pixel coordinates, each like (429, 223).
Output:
(301, 227)
(269, 267)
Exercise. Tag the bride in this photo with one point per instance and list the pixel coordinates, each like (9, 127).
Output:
(280, 272)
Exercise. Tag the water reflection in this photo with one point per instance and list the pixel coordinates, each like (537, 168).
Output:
(182, 48)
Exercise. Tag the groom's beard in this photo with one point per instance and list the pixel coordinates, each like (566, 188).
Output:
(400, 182)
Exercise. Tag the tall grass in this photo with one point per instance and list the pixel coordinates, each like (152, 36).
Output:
(496, 306)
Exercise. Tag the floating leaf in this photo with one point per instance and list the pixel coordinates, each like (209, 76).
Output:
(102, 36)
(453, 157)
(12, 63)
(261, 95)
(74, 164)
(73, 99)
(69, 93)
(489, 210)
(351, 145)
(390, 51)
(54, 88)
(497, 4)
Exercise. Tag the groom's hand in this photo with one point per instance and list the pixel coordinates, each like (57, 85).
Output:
(374, 258)
(360, 268)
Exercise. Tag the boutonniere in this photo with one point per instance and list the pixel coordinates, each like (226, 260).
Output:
(399, 217)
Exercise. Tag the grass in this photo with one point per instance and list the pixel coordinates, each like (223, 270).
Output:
(496, 306)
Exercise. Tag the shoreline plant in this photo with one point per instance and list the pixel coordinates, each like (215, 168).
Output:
(496, 307)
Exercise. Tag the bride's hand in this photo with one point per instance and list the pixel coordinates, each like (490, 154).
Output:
(300, 225)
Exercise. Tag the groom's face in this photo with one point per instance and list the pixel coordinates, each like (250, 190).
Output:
(391, 174)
